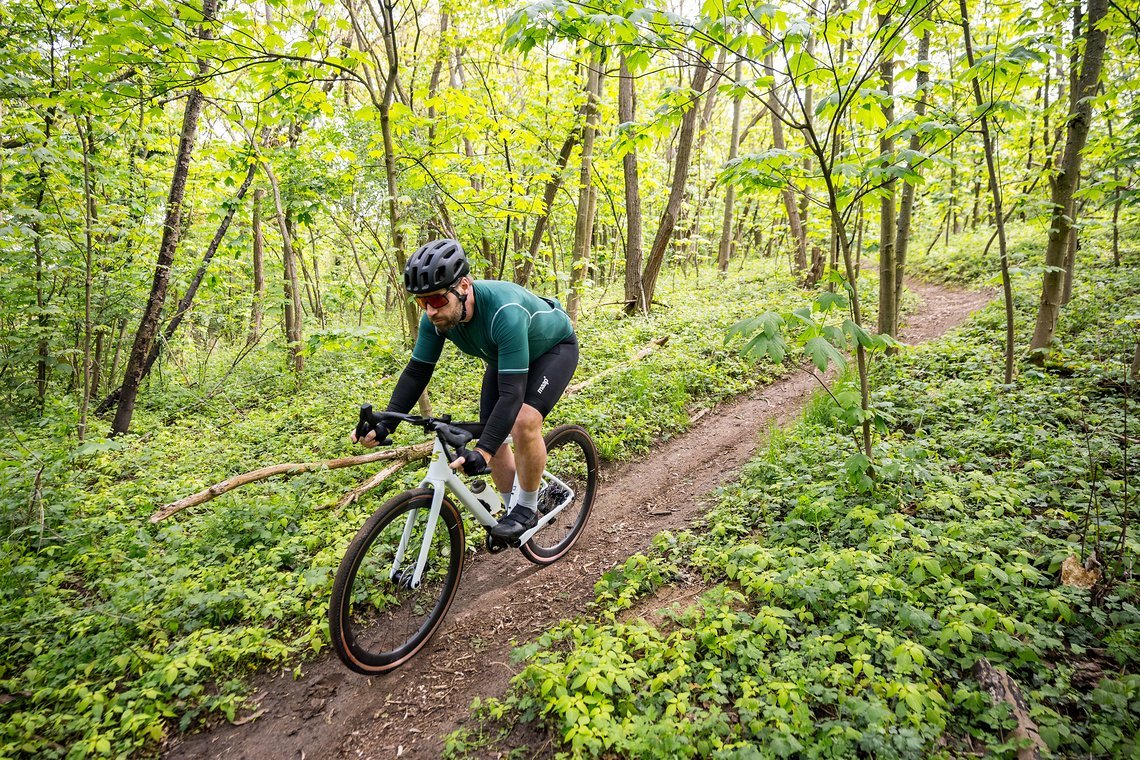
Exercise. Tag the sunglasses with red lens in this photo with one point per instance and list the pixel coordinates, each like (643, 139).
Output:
(435, 300)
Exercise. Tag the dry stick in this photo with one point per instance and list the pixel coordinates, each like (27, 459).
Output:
(355, 494)
(405, 454)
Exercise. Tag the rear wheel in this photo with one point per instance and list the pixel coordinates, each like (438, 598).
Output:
(571, 458)
(377, 620)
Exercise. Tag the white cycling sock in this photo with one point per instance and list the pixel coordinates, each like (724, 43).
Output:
(528, 499)
(506, 497)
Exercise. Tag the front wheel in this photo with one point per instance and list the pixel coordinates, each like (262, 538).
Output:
(379, 618)
(573, 461)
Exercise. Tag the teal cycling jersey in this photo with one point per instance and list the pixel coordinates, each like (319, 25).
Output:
(511, 328)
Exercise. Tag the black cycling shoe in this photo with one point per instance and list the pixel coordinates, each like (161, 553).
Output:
(519, 521)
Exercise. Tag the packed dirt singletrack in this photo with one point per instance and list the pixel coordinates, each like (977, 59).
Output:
(329, 712)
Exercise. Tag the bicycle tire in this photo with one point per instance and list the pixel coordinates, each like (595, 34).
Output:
(573, 458)
(376, 623)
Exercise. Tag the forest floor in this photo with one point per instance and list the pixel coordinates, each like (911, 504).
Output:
(330, 712)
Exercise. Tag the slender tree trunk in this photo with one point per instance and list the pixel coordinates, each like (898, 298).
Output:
(1065, 182)
(677, 190)
(187, 299)
(953, 221)
(523, 272)
(120, 340)
(583, 232)
(888, 264)
(799, 234)
(97, 360)
(906, 207)
(85, 139)
(312, 285)
(171, 231)
(1115, 200)
(411, 318)
(294, 329)
(995, 191)
(627, 105)
(725, 250)
(1071, 250)
(42, 320)
(257, 309)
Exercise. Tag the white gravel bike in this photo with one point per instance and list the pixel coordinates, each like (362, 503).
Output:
(400, 574)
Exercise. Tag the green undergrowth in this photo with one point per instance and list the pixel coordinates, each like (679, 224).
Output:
(114, 631)
(840, 611)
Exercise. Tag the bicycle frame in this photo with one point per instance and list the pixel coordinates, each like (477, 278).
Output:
(440, 478)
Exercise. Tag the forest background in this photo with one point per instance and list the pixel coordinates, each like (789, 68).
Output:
(205, 210)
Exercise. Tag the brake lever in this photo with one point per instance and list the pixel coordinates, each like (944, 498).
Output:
(368, 423)
(453, 440)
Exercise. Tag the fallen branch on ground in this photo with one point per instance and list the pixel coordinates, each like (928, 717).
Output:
(355, 494)
(404, 455)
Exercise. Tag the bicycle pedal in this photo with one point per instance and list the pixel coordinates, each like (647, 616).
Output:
(496, 545)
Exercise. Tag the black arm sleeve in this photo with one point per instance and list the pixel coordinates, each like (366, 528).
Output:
(411, 384)
(512, 388)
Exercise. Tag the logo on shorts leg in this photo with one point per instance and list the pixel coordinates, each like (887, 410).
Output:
(545, 382)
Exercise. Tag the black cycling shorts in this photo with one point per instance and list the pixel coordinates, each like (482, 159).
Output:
(546, 379)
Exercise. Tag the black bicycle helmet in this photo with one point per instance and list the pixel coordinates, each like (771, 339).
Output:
(436, 265)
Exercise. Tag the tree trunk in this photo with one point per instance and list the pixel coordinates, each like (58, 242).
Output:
(995, 191)
(888, 264)
(256, 310)
(85, 140)
(627, 105)
(187, 299)
(312, 283)
(1065, 182)
(411, 318)
(906, 207)
(1071, 250)
(294, 329)
(583, 232)
(953, 221)
(725, 250)
(523, 272)
(171, 232)
(1115, 201)
(799, 234)
(677, 190)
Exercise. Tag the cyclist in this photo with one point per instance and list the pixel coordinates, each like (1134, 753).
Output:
(530, 350)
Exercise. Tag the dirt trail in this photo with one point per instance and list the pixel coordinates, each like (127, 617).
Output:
(330, 712)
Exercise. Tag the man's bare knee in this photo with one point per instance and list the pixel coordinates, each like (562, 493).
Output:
(528, 423)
